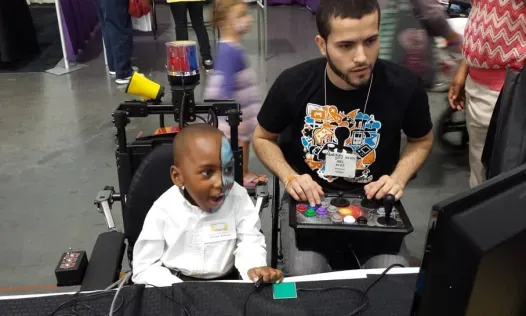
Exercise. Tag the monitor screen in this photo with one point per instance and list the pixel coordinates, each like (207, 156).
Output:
(474, 261)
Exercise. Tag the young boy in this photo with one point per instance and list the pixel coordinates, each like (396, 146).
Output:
(206, 223)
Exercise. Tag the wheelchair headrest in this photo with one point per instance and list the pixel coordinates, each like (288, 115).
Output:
(149, 182)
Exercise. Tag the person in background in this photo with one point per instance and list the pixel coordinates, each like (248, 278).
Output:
(206, 226)
(179, 10)
(234, 79)
(434, 19)
(494, 40)
(117, 32)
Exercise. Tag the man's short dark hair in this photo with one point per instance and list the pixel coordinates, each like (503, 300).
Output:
(343, 9)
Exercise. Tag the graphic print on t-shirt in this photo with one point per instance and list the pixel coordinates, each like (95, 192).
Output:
(326, 127)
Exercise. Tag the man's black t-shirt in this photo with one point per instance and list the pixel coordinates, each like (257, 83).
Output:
(295, 108)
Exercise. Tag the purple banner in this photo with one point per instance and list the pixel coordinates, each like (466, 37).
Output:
(78, 18)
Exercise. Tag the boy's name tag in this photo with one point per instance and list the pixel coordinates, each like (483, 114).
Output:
(340, 165)
(219, 230)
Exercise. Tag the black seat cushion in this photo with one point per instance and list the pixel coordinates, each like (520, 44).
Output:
(149, 182)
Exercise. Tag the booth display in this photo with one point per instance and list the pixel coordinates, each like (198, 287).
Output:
(312, 5)
(17, 32)
(77, 20)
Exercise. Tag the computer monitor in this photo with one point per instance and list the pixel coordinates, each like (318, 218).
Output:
(475, 255)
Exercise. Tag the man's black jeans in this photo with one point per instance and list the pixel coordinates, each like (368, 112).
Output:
(195, 9)
(117, 32)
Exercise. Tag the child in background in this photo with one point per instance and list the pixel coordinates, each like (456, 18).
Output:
(180, 9)
(233, 79)
(206, 223)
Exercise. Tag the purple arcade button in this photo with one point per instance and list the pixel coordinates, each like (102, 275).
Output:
(321, 212)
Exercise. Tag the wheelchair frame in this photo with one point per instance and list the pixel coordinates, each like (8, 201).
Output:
(128, 157)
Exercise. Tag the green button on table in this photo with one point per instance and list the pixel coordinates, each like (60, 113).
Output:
(285, 290)
(310, 212)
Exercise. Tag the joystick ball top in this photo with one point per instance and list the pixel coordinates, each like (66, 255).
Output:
(389, 198)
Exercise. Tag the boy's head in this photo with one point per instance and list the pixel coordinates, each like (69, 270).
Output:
(203, 165)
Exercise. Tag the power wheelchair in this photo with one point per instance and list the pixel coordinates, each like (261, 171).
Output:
(143, 173)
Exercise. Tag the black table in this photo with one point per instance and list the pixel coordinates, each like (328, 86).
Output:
(392, 296)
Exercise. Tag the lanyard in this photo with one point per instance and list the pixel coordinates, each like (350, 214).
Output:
(368, 92)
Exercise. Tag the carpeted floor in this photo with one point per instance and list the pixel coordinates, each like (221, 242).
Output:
(48, 35)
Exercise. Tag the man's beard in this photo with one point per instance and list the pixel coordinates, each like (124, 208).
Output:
(362, 83)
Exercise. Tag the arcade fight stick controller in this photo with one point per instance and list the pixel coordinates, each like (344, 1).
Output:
(387, 220)
(346, 217)
(340, 201)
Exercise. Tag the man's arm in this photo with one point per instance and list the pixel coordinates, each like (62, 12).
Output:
(418, 128)
(268, 151)
(412, 158)
(300, 187)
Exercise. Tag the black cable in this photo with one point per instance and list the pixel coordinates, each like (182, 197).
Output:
(181, 111)
(363, 294)
(212, 118)
(202, 119)
(86, 306)
(75, 300)
(246, 300)
(171, 299)
(364, 305)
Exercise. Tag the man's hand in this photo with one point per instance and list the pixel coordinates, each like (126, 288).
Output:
(385, 185)
(303, 188)
(456, 95)
(268, 274)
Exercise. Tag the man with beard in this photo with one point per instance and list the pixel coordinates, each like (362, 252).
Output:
(352, 102)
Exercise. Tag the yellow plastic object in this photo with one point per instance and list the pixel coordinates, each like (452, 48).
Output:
(143, 87)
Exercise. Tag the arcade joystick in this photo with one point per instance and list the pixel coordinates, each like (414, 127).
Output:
(340, 201)
(371, 204)
(387, 220)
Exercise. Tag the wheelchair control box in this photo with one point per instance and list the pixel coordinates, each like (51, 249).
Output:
(71, 268)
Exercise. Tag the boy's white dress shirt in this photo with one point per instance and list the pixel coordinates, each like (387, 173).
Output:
(179, 235)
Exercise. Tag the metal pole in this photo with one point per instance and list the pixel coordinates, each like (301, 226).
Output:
(105, 54)
(265, 28)
(61, 31)
(258, 21)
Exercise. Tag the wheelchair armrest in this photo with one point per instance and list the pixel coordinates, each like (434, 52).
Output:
(105, 262)
(104, 202)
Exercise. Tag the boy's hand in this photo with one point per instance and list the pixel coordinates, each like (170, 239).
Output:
(269, 275)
